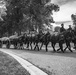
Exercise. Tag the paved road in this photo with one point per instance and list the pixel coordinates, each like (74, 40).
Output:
(57, 63)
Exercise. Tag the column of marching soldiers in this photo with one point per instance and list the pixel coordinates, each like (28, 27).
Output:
(37, 40)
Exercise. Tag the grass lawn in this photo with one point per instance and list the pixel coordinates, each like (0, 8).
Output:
(9, 66)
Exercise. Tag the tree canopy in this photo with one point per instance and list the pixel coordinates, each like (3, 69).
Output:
(73, 16)
(27, 14)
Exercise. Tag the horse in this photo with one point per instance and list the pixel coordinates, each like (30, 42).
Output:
(26, 39)
(74, 39)
(60, 38)
(45, 40)
(67, 39)
(36, 40)
(53, 38)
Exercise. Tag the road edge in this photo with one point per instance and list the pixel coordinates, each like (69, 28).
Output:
(33, 70)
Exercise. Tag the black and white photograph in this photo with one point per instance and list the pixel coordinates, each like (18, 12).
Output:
(37, 37)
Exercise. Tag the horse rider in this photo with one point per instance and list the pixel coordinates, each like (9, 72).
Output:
(73, 34)
(61, 37)
(70, 28)
(62, 29)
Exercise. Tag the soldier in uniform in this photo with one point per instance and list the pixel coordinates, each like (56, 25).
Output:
(70, 28)
(61, 38)
(62, 29)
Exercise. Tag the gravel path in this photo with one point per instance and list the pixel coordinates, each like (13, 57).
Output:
(57, 63)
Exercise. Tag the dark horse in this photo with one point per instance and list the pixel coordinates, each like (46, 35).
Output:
(58, 38)
(36, 40)
(45, 40)
(61, 38)
(74, 39)
(69, 35)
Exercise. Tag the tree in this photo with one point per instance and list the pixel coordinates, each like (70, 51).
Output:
(37, 12)
(42, 11)
(2, 15)
(73, 19)
(14, 16)
(73, 16)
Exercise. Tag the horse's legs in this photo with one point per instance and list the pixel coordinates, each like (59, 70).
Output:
(61, 46)
(74, 46)
(8, 45)
(0, 45)
(58, 49)
(53, 46)
(65, 48)
(15, 46)
(18, 46)
(37, 47)
(46, 47)
(27, 45)
(41, 46)
(69, 47)
(22, 46)
(31, 45)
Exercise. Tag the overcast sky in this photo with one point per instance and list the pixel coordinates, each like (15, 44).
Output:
(67, 7)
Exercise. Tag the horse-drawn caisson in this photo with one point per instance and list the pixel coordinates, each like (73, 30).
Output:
(39, 39)
(4, 40)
